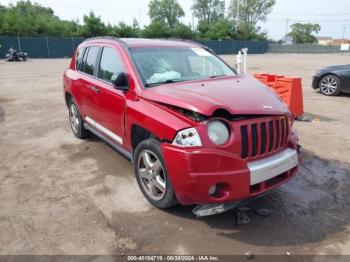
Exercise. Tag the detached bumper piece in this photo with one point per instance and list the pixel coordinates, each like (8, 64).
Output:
(214, 209)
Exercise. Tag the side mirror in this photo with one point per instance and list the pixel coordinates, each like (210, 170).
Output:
(120, 81)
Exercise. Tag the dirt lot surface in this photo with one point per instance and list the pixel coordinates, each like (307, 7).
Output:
(60, 195)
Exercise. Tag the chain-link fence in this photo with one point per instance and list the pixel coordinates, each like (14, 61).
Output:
(304, 49)
(54, 47)
(226, 47)
(40, 47)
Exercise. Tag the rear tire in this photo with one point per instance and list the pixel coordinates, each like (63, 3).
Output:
(152, 175)
(76, 122)
(330, 85)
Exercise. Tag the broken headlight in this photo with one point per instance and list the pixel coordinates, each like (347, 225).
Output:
(188, 138)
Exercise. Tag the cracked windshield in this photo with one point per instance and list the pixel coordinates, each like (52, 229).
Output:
(169, 65)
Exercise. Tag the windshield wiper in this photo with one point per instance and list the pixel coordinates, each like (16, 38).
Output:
(170, 81)
(217, 76)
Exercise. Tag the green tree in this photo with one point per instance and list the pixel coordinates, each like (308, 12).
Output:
(2, 13)
(183, 31)
(111, 30)
(165, 11)
(221, 30)
(156, 30)
(136, 26)
(251, 12)
(248, 32)
(303, 33)
(124, 30)
(93, 25)
(208, 11)
(26, 18)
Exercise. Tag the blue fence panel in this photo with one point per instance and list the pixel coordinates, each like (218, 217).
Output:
(41, 47)
(54, 47)
(226, 47)
(35, 46)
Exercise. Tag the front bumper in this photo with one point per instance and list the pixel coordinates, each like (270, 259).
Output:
(194, 171)
(315, 81)
(270, 167)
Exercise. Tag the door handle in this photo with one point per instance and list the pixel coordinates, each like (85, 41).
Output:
(95, 89)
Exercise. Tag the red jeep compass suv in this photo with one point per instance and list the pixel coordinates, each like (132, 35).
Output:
(196, 132)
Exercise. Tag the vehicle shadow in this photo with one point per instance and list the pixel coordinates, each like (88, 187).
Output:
(2, 114)
(306, 210)
(344, 94)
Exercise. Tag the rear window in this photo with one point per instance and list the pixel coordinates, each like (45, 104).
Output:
(90, 60)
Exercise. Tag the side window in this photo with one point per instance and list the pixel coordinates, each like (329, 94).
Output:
(110, 64)
(90, 60)
(79, 58)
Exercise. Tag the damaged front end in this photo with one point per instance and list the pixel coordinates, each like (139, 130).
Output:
(224, 161)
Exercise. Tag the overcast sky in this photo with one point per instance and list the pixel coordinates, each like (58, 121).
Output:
(332, 16)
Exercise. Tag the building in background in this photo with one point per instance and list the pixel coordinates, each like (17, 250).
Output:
(325, 40)
(341, 41)
(331, 41)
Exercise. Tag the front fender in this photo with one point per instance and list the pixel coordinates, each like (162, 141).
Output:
(159, 121)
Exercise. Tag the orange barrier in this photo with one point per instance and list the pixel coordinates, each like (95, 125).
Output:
(288, 88)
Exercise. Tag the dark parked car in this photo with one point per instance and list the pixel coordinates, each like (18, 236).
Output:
(332, 80)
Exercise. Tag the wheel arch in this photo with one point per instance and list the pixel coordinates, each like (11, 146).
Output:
(329, 74)
(139, 134)
(145, 120)
(67, 97)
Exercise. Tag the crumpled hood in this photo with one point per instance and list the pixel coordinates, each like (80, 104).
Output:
(239, 95)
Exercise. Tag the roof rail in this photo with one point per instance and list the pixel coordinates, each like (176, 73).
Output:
(105, 37)
(174, 39)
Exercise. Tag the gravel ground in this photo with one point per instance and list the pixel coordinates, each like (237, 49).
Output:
(59, 195)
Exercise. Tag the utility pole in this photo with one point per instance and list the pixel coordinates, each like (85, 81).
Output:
(19, 43)
(48, 47)
(193, 28)
(344, 30)
(238, 14)
(287, 27)
(140, 14)
(73, 46)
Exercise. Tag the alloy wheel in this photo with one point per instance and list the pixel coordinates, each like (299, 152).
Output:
(74, 118)
(151, 173)
(329, 85)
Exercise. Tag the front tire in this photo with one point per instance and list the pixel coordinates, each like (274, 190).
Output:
(330, 85)
(152, 175)
(76, 122)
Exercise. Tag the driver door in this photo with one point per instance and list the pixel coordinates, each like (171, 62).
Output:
(109, 103)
